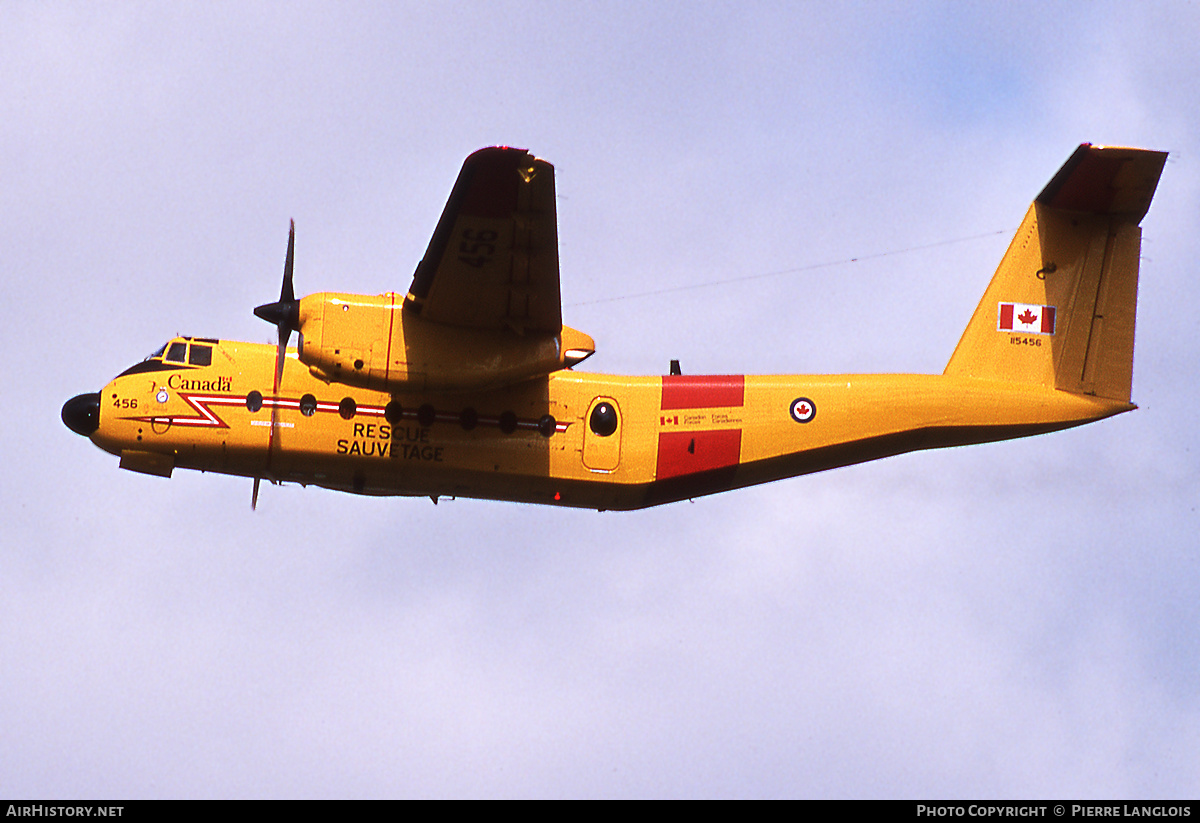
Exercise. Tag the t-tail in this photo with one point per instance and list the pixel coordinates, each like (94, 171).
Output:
(1060, 309)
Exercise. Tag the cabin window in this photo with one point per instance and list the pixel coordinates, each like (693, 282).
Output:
(254, 400)
(177, 353)
(603, 420)
(308, 405)
(200, 355)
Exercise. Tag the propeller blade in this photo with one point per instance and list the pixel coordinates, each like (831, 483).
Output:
(287, 295)
(284, 334)
(285, 312)
(254, 496)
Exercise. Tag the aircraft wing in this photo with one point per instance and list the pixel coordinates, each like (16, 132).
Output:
(493, 260)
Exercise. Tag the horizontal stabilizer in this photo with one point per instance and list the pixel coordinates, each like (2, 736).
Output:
(1101, 180)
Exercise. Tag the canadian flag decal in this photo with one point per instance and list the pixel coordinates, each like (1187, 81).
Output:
(1025, 317)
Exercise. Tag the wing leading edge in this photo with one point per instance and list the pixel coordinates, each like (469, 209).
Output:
(492, 262)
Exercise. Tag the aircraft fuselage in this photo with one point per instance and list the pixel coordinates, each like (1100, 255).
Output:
(660, 439)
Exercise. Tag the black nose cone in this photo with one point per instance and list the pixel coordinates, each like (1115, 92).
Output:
(82, 413)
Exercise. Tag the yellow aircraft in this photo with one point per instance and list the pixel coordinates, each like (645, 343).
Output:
(464, 387)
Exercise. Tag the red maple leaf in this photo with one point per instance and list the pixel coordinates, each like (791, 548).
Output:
(1027, 317)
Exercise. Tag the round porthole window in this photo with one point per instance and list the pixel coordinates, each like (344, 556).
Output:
(604, 419)
(308, 405)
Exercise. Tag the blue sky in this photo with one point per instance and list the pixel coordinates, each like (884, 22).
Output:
(1011, 620)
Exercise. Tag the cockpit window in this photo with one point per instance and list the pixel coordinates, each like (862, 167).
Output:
(200, 355)
(158, 353)
(177, 353)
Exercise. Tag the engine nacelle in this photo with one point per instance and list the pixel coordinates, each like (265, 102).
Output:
(372, 341)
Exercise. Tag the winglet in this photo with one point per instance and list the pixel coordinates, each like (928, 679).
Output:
(1106, 180)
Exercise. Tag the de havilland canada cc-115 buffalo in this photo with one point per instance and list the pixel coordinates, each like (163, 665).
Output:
(465, 386)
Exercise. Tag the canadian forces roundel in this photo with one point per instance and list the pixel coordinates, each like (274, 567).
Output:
(803, 410)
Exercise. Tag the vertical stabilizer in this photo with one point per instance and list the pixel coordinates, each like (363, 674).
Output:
(1060, 309)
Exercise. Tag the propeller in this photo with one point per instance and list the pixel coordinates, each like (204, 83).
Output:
(285, 312)
(285, 315)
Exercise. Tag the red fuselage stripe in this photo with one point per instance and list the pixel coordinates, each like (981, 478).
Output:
(687, 392)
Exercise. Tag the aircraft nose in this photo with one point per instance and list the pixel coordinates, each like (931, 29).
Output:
(82, 413)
